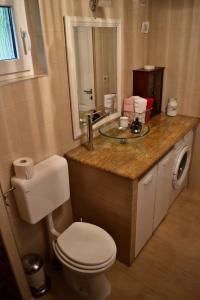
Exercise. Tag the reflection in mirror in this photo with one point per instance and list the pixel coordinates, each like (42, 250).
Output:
(94, 62)
(96, 68)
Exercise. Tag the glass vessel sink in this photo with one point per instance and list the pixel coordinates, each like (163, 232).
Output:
(114, 131)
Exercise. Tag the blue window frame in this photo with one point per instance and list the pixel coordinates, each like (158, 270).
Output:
(8, 43)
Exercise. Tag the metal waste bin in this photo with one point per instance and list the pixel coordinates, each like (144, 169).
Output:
(34, 269)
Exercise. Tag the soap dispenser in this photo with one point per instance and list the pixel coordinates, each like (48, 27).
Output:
(172, 107)
(136, 126)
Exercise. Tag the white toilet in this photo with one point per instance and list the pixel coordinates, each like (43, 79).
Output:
(85, 250)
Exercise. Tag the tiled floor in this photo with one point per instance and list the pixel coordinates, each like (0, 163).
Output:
(168, 268)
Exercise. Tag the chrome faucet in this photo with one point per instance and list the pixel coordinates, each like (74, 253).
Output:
(90, 123)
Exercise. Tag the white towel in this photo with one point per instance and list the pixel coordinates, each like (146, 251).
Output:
(140, 105)
(109, 103)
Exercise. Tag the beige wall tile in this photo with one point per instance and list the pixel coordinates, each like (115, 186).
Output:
(9, 133)
(194, 170)
(174, 42)
(36, 114)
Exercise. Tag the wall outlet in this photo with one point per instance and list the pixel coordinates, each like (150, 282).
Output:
(145, 27)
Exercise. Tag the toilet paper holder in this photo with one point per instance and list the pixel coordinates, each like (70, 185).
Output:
(9, 191)
(5, 195)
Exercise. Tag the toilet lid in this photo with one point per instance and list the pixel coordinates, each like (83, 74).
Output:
(80, 267)
(86, 244)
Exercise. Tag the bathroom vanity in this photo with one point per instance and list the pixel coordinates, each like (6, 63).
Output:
(106, 183)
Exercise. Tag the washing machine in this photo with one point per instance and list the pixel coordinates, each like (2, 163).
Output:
(182, 158)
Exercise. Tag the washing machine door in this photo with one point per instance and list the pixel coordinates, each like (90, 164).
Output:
(181, 167)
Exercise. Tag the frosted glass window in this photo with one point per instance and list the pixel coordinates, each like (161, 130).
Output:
(8, 46)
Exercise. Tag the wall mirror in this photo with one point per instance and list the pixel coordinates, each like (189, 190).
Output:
(94, 62)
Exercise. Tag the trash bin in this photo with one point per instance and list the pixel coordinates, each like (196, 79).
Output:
(34, 268)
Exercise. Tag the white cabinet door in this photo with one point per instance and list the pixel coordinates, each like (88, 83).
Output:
(145, 209)
(163, 188)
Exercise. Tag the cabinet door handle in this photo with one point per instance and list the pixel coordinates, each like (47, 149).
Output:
(148, 179)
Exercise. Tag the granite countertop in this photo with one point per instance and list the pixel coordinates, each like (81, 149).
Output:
(132, 160)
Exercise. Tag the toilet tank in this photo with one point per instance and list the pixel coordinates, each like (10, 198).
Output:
(45, 191)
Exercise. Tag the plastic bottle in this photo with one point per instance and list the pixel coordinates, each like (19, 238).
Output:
(172, 107)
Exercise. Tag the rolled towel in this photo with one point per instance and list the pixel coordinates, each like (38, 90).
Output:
(140, 109)
(140, 105)
(129, 104)
(150, 102)
(138, 98)
(128, 108)
(109, 102)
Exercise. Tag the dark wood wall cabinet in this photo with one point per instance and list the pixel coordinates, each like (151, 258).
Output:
(149, 84)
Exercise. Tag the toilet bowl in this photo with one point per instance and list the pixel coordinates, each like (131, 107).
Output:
(86, 251)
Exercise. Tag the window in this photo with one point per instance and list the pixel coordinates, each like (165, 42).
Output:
(15, 47)
(8, 43)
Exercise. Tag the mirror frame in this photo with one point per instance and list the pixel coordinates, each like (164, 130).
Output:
(70, 23)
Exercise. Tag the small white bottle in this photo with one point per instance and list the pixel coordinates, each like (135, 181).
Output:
(123, 122)
(172, 107)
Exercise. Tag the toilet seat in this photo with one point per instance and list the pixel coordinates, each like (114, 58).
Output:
(86, 244)
(83, 268)
(85, 247)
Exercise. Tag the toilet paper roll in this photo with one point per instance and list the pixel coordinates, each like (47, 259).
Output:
(23, 167)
